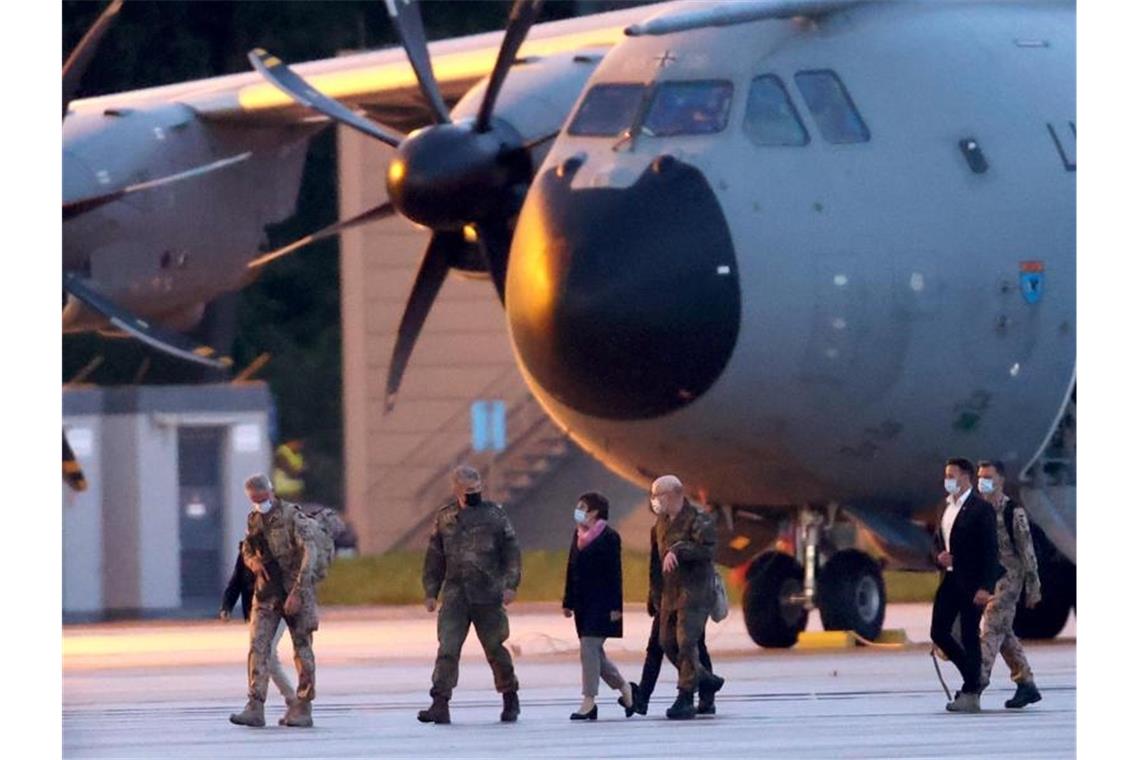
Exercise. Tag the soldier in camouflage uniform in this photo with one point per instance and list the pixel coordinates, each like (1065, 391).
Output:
(1015, 552)
(279, 548)
(473, 557)
(685, 539)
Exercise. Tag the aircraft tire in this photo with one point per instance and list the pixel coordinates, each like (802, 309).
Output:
(1058, 596)
(773, 576)
(852, 596)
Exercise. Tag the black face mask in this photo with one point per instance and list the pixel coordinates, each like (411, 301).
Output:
(472, 499)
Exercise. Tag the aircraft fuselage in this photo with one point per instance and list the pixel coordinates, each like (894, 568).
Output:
(853, 312)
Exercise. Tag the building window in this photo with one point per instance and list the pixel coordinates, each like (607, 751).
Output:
(607, 110)
(831, 107)
(769, 117)
(688, 108)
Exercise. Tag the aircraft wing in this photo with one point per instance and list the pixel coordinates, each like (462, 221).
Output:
(382, 82)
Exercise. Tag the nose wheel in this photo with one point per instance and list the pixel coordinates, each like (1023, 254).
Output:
(781, 589)
(851, 594)
(774, 613)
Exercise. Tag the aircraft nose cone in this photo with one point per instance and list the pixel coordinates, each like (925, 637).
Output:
(624, 303)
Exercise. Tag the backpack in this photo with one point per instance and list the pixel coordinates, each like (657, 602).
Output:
(323, 526)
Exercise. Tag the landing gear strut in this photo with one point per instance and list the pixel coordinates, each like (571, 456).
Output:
(847, 588)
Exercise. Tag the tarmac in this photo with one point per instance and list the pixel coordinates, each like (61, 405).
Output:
(166, 689)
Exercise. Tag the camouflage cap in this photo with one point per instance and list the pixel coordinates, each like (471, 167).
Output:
(467, 478)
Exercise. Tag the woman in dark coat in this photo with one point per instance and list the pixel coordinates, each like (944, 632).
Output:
(593, 597)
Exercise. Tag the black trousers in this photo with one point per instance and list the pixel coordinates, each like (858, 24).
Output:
(950, 604)
(655, 655)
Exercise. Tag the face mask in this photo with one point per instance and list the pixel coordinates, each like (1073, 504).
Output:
(472, 499)
(986, 485)
(264, 506)
(658, 507)
(580, 516)
(951, 485)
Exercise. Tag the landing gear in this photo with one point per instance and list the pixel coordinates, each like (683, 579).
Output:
(852, 596)
(781, 589)
(1058, 593)
(774, 613)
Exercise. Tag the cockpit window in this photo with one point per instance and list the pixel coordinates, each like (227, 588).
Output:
(688, 108)
(770, 118)
(831, 107)
(607, 110)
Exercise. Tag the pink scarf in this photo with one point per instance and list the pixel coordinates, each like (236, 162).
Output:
(586, 535)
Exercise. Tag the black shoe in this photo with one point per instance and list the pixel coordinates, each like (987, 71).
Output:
(592, 715)
(706, 705)
(437, 713)
(510, 707)
(631, 708)
(682, 708)
(1026, 694)
(640, 699)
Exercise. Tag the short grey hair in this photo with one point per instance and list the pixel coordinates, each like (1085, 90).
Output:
(258, 482)
(667, 483)
(467, 477)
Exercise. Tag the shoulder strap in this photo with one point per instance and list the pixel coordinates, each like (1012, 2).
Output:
(1007, 516)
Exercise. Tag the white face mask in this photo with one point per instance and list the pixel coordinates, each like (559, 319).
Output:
(264, 506)
(580, 516)
(658, 507)
(951, 485)
(986, 485)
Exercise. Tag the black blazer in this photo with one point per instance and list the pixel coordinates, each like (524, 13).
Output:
(973, 544)
(593, 585)
(241, 584)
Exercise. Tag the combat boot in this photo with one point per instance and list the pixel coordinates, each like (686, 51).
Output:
(510, 707)
(682, 708)
(706, 704)
(437, 713)
(253, 715)
(289, 702)
(299, 714)
(1026, 694)
(711, 683)
(965, 702)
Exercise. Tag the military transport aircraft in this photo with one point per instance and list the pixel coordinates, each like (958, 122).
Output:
(796, 252)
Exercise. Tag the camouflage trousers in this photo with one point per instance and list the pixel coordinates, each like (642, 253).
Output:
(456, 616)
(997, 633)
(263, 624)
(681, 633)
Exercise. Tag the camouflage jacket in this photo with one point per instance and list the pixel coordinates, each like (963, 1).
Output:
(1016, 553)
(474, 551)
(691, 536)
(281, 540)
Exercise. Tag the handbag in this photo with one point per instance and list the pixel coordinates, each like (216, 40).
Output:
(720, 604)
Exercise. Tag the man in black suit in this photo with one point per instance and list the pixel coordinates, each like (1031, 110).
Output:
(966, 550)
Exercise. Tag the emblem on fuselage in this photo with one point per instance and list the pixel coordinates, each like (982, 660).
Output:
(1032, 280)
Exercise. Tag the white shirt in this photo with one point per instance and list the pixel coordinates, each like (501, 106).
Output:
(953, 507)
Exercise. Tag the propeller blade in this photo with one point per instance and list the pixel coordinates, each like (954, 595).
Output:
(523, 15)
(72, 209)
(442, 249)
(286, 80)
(410, 26)
(72, 472)
(495, 242)
(540, 140)
(382, 211)
(155, 336)
(80, 58)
